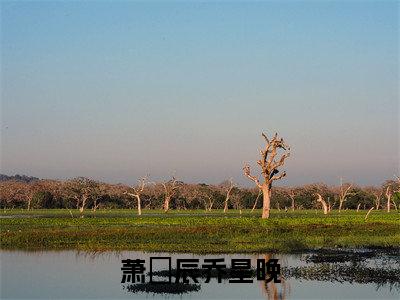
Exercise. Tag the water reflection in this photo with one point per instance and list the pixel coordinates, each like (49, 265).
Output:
(341, 266)
(381, 268)
(325, 273)
(271, 290)
(163, 288)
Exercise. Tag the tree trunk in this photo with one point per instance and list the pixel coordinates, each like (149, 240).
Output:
(366, 216)
(394, 204)
(358, 206)
(139, 206)
(266, 202)
(82, 207)
(388, 196)
(378, 203)
(95, 205)
(324, 205)
(255, 203)
(226, 205)
(166, 203)
(340, 204)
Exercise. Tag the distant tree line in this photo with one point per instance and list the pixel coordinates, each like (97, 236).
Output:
(22, 178)
(84, 193)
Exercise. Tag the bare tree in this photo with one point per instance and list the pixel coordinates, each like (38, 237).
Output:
(138, 191)
(170, 188)
(206, 194)
(392, 190)
(34, 187)
(324, 205)
(228, 194)
(396, 192)
(388, 194)
(269, 169)
(377, 194)
(331, 206)
(12, 192)
(292, 195)
(82, 190)
(208, 202)
(237, 202)
(102, 190)
(344, 191)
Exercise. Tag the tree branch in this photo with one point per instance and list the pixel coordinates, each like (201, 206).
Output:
(246, 172)
(276, 177)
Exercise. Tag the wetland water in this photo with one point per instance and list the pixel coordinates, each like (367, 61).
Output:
(314, 275)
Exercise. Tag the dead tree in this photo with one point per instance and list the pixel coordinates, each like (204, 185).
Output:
(269, 169)
(388, 194)
(396, 193)
(343, 193)
(137, 193)
(228, 194)
(237, 202)
(331, 206)
(392, 192)
(13, 190)
(82, 190)
(378, 195)
(324, 205)
(292, 195)
(208, 202)
(255, 202)
(369, 211)
(170, 188)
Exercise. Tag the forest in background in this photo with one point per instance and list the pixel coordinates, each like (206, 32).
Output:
(84, 193)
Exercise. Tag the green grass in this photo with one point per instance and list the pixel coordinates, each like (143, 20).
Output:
(197, 231)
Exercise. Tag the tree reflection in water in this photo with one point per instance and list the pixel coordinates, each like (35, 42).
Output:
(381, 268)
(270, 290)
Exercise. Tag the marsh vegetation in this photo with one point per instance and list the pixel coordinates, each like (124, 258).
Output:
(197, 231)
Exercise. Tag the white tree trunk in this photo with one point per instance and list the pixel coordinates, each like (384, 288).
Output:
(139, 205)
(166, 203)
(340, 204)
(266, 202)
(366, 216)
(226, 205)
(324, 205)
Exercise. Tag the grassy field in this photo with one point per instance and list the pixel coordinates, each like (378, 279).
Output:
(197, 231)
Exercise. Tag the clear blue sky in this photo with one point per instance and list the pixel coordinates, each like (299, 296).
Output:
(117, 90)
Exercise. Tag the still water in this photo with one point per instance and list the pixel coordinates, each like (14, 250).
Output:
(83, 275)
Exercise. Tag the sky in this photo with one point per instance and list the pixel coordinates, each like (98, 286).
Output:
(118, 90)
